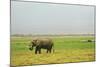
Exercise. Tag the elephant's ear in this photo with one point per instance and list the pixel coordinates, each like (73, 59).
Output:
(34, 41)
(37, 42)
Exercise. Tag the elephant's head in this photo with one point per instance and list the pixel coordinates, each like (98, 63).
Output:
(33, 44)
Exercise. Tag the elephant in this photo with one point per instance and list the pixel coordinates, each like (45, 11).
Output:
(42, 43)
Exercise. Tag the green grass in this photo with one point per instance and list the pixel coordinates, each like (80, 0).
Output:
(67, 49)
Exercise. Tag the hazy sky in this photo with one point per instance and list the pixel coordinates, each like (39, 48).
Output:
(45, 18)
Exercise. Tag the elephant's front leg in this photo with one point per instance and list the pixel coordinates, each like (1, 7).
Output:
(36, 50)
(39, 51)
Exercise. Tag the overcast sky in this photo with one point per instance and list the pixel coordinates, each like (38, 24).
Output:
(46, 18)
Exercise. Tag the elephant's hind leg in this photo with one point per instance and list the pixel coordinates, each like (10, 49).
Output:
(39, 51)
(47, 50)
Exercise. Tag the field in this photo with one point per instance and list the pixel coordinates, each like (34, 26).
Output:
(68, 49)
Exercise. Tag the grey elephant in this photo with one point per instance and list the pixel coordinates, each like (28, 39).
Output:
(42, 43)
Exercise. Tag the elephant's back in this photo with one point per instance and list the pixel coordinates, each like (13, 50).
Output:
(46, 41)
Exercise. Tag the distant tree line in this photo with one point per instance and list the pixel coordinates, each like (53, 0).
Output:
(22, 35)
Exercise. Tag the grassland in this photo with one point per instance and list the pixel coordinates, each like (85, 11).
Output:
(68, 49)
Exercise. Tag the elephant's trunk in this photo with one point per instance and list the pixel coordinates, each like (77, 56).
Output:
(31, 49)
